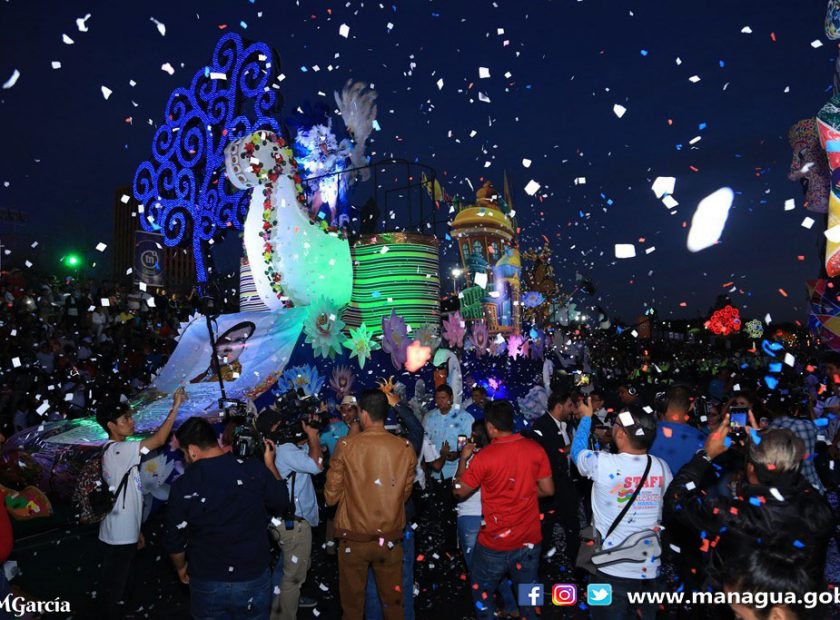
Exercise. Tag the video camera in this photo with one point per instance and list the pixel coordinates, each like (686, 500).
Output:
(294, 407)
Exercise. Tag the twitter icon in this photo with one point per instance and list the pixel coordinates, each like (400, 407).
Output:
(599, 594)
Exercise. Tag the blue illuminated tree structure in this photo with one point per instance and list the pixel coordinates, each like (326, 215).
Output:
(182, 189)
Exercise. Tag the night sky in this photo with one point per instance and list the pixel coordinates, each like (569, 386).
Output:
(66, 149)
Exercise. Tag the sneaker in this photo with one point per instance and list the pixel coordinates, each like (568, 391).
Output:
(306, 603)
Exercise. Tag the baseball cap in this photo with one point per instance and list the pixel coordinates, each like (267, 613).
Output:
(349, 400)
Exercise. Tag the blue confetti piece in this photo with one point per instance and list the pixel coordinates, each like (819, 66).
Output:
(755, 501)
(821, 422)
(727, 441)
(756, 439)
(243, 24)
(644, 52)
(701, 126)
(207, 72)
(798, 544)
(722, 64)
(771, 382)
(375, 294)
(304, 69)
(775, 366)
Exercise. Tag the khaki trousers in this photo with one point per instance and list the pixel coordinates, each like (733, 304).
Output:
(297, 551)
(354, 559)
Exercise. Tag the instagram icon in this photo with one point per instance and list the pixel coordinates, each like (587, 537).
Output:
(564, 594)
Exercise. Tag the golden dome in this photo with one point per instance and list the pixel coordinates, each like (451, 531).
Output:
(482, 220)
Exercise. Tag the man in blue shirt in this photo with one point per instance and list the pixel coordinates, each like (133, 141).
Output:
(442, 427)
(297, 463)
(477, 403)
(676, 441)
(219, 511)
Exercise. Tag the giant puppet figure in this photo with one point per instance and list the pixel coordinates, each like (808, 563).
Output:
(828, 124)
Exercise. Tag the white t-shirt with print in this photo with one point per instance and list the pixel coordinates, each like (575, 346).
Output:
(122, 525)
(615, 478)
(470, 507)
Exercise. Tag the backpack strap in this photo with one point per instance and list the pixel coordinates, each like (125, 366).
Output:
(632, 499)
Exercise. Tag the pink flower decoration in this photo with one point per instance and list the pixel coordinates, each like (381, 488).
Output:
(480, 338)
(515, 342)
(454, 330)
(395, 339)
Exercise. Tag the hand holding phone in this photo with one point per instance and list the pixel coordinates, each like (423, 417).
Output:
(738, 417)
(462, 441)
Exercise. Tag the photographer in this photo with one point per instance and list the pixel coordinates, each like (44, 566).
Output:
(775, 505)
(218, 517)
(297, 461)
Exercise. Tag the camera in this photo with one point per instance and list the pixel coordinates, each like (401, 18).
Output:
(287, 413)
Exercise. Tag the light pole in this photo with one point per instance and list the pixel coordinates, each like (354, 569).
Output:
(456, 273)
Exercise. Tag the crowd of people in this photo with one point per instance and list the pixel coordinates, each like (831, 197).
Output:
(709, 481)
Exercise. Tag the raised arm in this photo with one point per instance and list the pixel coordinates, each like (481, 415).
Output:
(162, 433)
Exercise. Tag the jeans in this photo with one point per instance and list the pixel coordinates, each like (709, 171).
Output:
(231, 600)
(490, 567)
(620, 607)
(373, 606)
(468, 527)
(117, 577)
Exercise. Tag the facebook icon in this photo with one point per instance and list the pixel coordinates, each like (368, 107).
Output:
(530, 594)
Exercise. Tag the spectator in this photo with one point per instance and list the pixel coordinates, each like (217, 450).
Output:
(477, 403)
(297, 463)
(806, 430)
(120, 530)
(553, 431)
(370, 479)
(349, 411)
(219, 514)
(469, 516)
(764, 572)
(676, 441)
(775, 505)
(634, 510)
(512, 472)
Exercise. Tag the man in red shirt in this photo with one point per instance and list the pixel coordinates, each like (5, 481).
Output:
(512, 472)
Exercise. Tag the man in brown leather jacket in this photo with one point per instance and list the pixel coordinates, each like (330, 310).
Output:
(370, 478)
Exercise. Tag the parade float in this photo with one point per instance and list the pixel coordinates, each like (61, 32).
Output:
(330, 299)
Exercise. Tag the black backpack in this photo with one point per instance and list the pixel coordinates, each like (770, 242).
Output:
(92, 498)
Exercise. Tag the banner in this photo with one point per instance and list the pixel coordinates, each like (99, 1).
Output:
(253, 349)
(148, 258)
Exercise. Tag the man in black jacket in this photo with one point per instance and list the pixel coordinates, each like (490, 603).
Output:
(553, 431)
(774, 506)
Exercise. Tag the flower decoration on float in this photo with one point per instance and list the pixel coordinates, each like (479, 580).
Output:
(341, 381)
(498, 346)
(480, 338)
(724, 321)
(395, 338)
(454, 329)
(532, 299)
(515, 343)
(360, 344)
(428, 336)
(323, 328)
(754, 328)
(304, 377)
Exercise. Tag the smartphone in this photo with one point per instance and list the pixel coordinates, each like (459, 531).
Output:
(738, 417)
(462, 441)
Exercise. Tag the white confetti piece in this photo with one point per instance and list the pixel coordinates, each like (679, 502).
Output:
(344, 30)
(816, 43)
(663, 186)
(218, 75)
(833, 234)
(580, 181)
(104, 302)
(160, 26)
(625, 418)
(808, 222)
(480, 279)
(746, 30)
(775, 493)
(12, 80)
(101, 246)
(670, 202)
(484, 98)
(67, 39)
(619, 110)
(106, 92)
(15, 362)
(440, 84)
(483, 72)
(790, 360)
(709, 220)
(694, 79)
(43, 408)
(767, 319)
(81, 23)
(650, 250)
(625, 250)
(532, 187)
(526, 163)
(790, 204)
(168, 68)
(55, 64)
